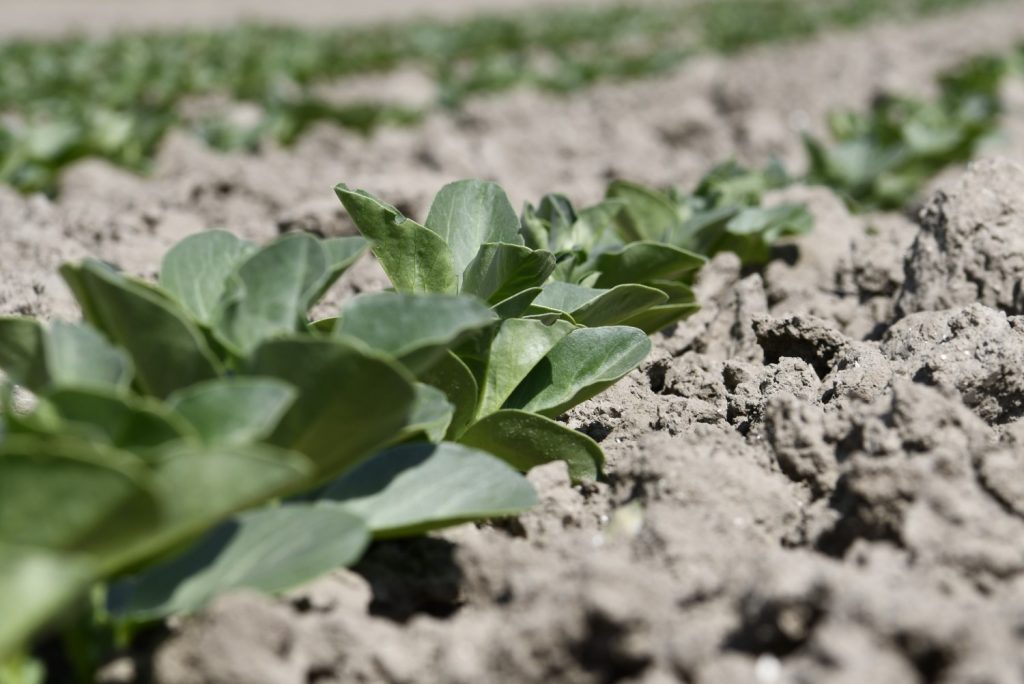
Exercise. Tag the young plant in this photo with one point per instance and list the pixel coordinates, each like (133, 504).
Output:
(177, 406)
(883, 158)
(722, 214)
(471, 244)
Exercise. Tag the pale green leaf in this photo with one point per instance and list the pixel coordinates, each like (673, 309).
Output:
(233, 410)
(196, 270)
(468, 213)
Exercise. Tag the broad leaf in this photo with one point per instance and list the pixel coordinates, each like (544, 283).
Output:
(598, 307)
(641, 262)
(195, 271)
(167, 349)
(121, 420)
(525, 440)
(71, 496)
(200, 486)
(468, 213)
(517, 304)
(350, 403)
(270, 292)
(415, 329)
(519, 345)
(583, 363)
(646, 214)
(270, 550)
(502, 270)
(341, 253)
(414, 488)
(431, 414)
(22, 356)
(415, 258)
(233, 410)
(453, 377)
(78, 356)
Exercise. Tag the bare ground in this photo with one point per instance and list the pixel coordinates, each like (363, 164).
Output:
(817, 478)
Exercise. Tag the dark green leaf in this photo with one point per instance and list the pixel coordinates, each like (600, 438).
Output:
(642, 262)
(525, 440)
(518, 346)
(583, 363)
(71, 496)
(351, 402)
(22, 356)
(168, 351)
(121, 420)
(453, 377)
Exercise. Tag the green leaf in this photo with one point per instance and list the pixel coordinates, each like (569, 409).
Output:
(517, 304)
(582, 364)
(431, 414)
(415, 258)
(453, 377)
(351, 402)
(525, 440)
(502, 270)
(597, 307)
(22, 355)
(468, 213)
(519, 345)
(237, 410)
(270, 550)
(681, 303)
(415, 329)
(71, 496)
(167, 349)
(201, 485)
(641, 262)
(646, 214)
(341, 253)
(77, 355)
(413, 488)
(35, 587)
(120, 420)
(271, 291)
(195, 271)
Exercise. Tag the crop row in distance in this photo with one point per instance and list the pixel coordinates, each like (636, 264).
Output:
(201, 433)
(58, 111)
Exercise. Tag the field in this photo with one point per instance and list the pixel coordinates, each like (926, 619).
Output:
(815, 476)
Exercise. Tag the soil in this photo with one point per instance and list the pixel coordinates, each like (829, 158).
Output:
(819, 477)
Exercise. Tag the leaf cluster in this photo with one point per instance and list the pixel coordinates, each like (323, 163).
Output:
(884, 157)
(201, 434)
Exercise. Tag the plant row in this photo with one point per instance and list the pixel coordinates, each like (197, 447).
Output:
(201, 433)
(116, 98)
